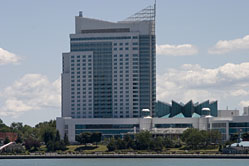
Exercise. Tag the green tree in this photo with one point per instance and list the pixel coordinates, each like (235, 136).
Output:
(129, 142)
(43, 127)
(215, 137)
(32, 144)
(4, 128)
(205, 138)
(96, 137)
(234, 137)
(57, 136)
(111, 146)
(143, 140)
(168, 143)
(120, 144)
(50, 146)
(48, 135)
(66, 141)
(59, 145)
(36, 144)
(245, 136)
(28, 131)
(193, 138)
(84, 138)
(6, 140)
(16, 126)
(157, 144)
(19, 139)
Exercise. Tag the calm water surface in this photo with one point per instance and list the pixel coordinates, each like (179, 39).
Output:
(125, 162)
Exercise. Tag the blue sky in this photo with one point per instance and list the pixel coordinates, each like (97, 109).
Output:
(202, 51)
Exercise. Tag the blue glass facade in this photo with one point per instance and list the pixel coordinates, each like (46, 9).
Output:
(101, 38)
(185, 110)
(105, 129)
(162, 109)
(180, 125)
(147, 75)
(239, 127)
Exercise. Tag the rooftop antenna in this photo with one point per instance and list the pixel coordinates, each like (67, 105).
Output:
(146, 14)
(80, 14)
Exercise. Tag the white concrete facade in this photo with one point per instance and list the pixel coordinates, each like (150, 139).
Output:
(228, 113)
(246, 111)
(73, 63)
(156, 125)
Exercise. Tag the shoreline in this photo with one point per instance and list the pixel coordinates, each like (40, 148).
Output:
(89, 156)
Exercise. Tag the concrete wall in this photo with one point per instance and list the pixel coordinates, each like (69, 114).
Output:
(228, 113)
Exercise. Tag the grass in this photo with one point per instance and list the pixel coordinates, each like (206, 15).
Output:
(103, 149)
(88, 149)
(201, 151)
(43, 148)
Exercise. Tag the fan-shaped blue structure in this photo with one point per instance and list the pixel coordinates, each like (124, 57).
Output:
(188, 110)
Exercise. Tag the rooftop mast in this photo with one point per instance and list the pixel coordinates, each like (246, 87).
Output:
(146, 14)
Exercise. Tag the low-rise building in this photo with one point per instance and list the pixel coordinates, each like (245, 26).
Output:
(12, 136)
(118, 127)
(228, 113)
(246, 111)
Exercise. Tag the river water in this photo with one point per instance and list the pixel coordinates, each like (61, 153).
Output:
(124, 162)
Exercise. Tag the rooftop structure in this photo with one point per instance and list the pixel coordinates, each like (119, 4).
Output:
(190, 109)
(228, 113)
(246, 111)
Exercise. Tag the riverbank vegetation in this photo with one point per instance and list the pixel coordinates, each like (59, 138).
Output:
(191, 139)
(43, 138)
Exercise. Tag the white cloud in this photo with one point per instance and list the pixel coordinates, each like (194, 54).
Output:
(244, 103)
(7, 57)
(226, 46)
(176, 50)
(31, 92)
(227, 82)
(239, 92)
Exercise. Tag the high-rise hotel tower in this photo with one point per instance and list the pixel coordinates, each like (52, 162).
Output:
(110, 71)
(109, 77)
